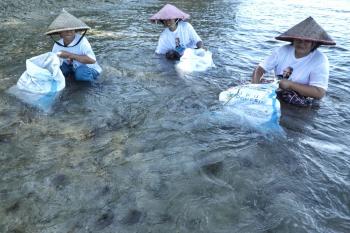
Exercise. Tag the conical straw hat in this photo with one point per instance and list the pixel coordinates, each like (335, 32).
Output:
(307, 30)
(65, 22)
(169, 12)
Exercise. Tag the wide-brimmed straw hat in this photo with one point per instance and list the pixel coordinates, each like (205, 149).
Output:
(66, 22)
(169, 12)
(307, 30)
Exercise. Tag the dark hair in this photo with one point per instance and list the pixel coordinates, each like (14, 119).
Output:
(173, 55)
(317, 44)
(176, 20)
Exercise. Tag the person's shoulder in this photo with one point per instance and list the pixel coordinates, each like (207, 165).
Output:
(56, 46)
(84, 39)
(287, 47)
(181, 22)
(318, 53)
(282, 49)
(320, 56)
(84, 42)
(184, 24)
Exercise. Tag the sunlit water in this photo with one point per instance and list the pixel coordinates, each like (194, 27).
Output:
(149, 150)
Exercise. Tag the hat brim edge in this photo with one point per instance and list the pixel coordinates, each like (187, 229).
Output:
(155, 20)
(56, 31)
(290, 39)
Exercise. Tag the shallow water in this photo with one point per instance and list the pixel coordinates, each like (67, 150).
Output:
(148, 150)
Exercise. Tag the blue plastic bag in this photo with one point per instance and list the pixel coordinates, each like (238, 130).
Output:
(256, 104)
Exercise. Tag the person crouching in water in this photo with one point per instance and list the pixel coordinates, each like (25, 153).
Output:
(178, 34)
(310, 66)
(79, 60)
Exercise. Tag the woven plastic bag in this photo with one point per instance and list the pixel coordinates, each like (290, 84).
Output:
(255, 104)
(40, 84)
(43, 75)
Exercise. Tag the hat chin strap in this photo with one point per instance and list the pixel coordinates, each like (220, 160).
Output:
(67, 45)
(174, 26)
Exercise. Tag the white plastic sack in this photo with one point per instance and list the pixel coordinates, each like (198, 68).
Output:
(41, 83)
(195, 60)
(43, 75)
(255, 103)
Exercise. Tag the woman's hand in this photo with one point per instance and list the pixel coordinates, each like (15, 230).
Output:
(257, 74)
(285, 84)
(66, 55)
(302, 89)
(80, 58)
(200, 45)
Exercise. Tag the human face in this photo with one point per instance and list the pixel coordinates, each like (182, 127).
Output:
(302, 47)
(287, 72)
(171, 24)
(67, 36)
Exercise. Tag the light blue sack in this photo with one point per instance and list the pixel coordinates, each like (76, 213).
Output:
(256, 104)
(41, 83)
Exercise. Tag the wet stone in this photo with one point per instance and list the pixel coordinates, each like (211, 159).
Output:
(132, 218)
(60, 181)
(258, 200)
(193, 224)
(16, 230)
(4, 194)
(13, 208)
(75, 228)
(213, 169)
(30, 195)
(105, 220)
(165, 218)
(105, 190)
(246, 163)
(6, 137)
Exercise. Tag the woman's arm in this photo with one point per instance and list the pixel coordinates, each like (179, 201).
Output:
(80, 58)
(302, 89)
(257, 74)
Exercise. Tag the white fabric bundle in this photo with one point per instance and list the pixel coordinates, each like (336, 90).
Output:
(40, 84)
(195, 60)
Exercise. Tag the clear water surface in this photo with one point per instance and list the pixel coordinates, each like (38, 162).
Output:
(149, 150)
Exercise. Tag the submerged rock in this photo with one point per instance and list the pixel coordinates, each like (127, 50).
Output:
(213, 168)
(132, 218)
(14, 207)
(60, 181)
(105, 220)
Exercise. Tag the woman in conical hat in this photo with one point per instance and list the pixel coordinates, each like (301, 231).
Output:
(310, 66)
(178, 34)
(79, 59)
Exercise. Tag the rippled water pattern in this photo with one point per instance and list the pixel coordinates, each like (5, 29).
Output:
(149, 150)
